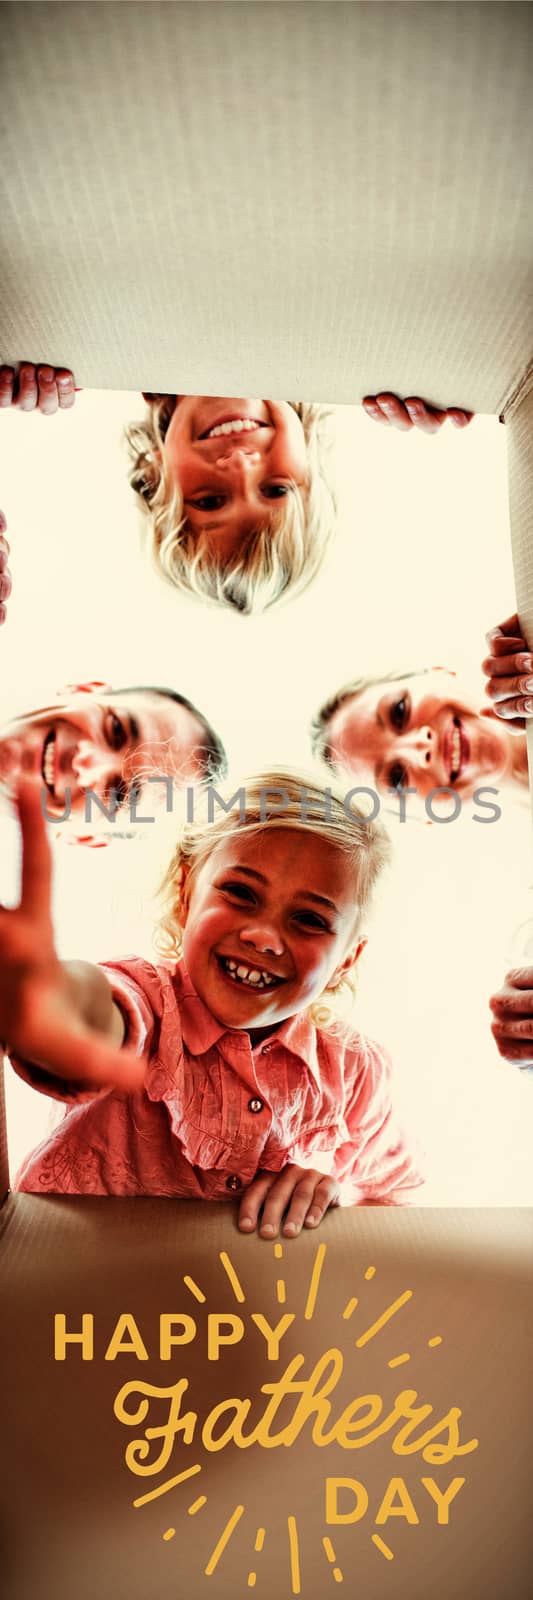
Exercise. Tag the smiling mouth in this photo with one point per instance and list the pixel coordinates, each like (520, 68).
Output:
(458, 750)
(231, 425)
(256, 978)
(48, 763)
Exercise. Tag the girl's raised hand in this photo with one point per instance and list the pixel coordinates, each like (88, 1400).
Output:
(412, 413)
(37, 388)
(5, 575)
(41, 1002)
(302, 1193)
(509, 672)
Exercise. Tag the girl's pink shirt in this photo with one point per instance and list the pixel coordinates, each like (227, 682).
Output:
(213, 1111)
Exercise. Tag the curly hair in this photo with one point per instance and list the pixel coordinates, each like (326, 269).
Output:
(363, 842)
(282, 556)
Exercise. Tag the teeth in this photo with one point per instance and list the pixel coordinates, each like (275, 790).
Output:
(248, 975)
(239, 425)
(456, 752)
(48, 765)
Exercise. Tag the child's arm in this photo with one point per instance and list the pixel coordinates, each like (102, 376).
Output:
(509, 672)
(412, 413)
(512, 1024)
(56, 1015)
(302, 1192)
(5, 575)
(37, 388)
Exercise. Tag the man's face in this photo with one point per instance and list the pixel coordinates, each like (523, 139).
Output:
(98, 740)
(422, 733)
(236, 461)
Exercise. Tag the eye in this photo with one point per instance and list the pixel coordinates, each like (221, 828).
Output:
(115, 732)
(209, 502)
(400, 712)
(240, 891)
(397, 775)
(275, 491)
(312, 920)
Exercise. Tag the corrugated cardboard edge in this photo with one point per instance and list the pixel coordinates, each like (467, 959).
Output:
(518, 416)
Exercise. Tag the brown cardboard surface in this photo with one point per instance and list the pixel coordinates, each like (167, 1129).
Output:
(72, 1527)
(318, 200)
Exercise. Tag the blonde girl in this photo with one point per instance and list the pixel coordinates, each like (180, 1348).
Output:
(225, 1071)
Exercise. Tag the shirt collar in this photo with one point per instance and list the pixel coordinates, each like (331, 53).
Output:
(201, 1030)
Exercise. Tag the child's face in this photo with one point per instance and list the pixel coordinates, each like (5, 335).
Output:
(234, 480)
(270, 919)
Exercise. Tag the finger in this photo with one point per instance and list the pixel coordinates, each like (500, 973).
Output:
(7, 383)
(459, 418)
(512, 1002)
(27, 390)
(374, 411)
(518, 1052)
(309, 1208)
(4, 553)
(508, 630)
(65, 388)
(428, 418)
(252, 1201)
(508, 666)
(280, 1195)
(513, 1028)
(36, 854)
(395, 412)
(3, 613)
(519, 978)
(5, 585)
(505, 645)
(46, 381)
(519, 706)
(3, 523)
(503, 686)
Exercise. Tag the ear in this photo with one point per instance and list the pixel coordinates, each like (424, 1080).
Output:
(93, 687)
(349, 961)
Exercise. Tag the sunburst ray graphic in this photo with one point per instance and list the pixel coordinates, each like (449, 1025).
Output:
(364, 1338)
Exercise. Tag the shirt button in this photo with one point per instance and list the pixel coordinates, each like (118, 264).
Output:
(255, 1105)
(234, 1182)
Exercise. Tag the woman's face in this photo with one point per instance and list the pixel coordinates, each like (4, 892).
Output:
(419, 732)
(235, 461)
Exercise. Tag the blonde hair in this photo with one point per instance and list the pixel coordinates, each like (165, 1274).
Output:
(283, 555)
(364, 843)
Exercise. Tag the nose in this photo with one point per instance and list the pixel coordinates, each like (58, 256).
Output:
(92, 766)
(263, 937)
(418, 743)
(239, 464)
